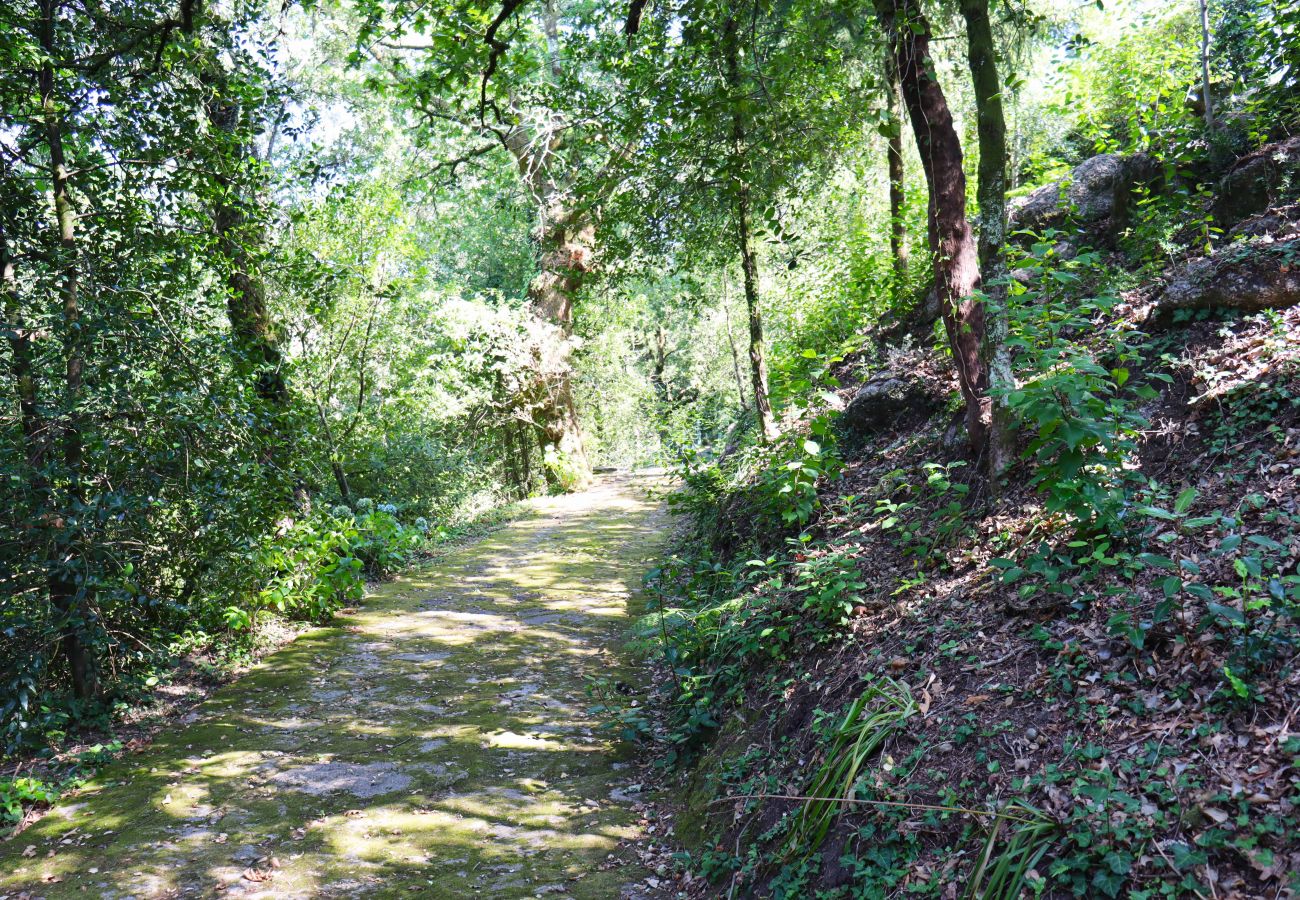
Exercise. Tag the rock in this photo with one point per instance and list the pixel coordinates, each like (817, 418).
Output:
(1261, 271)
(1270, 222)
(887, 396)
(1096, 197)
(1257, 181)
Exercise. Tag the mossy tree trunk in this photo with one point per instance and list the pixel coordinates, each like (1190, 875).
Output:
(767, 430)
(991, 194)
(67, 596)
(898, 248)
(952, 243)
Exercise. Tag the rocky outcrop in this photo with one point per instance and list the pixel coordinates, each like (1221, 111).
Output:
(909, 385)
(1258, 181)
(1259, 271)
(1096, 197)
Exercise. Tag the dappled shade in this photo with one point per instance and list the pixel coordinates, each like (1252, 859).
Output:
(438, 740)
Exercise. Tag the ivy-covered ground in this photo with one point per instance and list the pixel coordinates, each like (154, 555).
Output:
(438, 742)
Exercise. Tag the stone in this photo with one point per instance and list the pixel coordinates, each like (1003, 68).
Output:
(1096, 197)
(1257, 181)
(885, 397)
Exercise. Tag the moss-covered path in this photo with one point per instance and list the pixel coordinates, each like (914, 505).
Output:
(435, 744)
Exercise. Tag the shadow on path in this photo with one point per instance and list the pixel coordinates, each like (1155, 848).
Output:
(437, 743)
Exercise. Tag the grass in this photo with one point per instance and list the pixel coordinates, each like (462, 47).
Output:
(871, 719)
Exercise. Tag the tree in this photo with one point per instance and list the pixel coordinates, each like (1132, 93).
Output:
(898, 248)
(952, 242)
(513, 94)
(743, 101)
(991, 196)
(737, 100)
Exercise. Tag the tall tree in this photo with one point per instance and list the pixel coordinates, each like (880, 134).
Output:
(745, 100)
(512, 96)
(990, 194)
(69, 581)
(898, 248)
(238, 227)
(1206, 95)
(738, 99)
(952, 242)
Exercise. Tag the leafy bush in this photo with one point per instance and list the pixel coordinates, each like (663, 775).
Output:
(829, 582)
(19, 793)
(789, 485)
(1077, 408)
(318, 564)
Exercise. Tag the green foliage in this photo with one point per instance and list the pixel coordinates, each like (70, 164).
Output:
(1017, 842)
(829, 581)
(876, 715)
(1074, 389)
(623, 715)
(790, 483)
(19, 793)
(1121, 86)
(927, 517)
(1252, 608)
(1257, 47)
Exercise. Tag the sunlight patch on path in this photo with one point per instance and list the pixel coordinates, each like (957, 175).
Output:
(437, 743)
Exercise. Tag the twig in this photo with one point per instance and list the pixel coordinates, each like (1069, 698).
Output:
(889, 803)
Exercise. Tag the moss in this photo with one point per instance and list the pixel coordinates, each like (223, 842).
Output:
(694, 827)
(435, 740)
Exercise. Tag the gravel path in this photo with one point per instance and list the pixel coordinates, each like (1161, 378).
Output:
(437, 743)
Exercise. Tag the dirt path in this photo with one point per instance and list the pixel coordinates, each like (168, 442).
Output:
(435, 744)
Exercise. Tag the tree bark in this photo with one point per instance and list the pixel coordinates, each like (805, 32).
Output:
(251, 327)
(68, 600)
(565, 240)
(250, 321)
(21, 361)
(956, 269)
(1205, 64)
(898, 248)
(336, 464)
(767, 430)
(565, 259)
(991, 194)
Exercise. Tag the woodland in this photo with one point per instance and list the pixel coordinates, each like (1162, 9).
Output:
(965, 333)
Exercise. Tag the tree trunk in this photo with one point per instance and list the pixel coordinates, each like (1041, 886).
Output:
(21, 365)
(565, 259)
(956, 268)
(897, 176)
(250, 321)
(1205, 65)
(991, 193)
(336, 465)
(565, 242)
(251, 327)
(757, 360)
(767, 430)
(735, 356)
(65, 596)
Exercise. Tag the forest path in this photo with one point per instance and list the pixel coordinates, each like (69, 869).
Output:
(437, 743)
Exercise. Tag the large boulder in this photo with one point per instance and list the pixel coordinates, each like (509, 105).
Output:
(1257, 181)
(1096, 197)
(1260, 270)
(909, 386)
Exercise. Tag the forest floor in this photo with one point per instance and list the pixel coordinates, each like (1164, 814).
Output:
(436, 742)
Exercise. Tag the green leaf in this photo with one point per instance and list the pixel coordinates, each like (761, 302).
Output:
(1230, 613)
